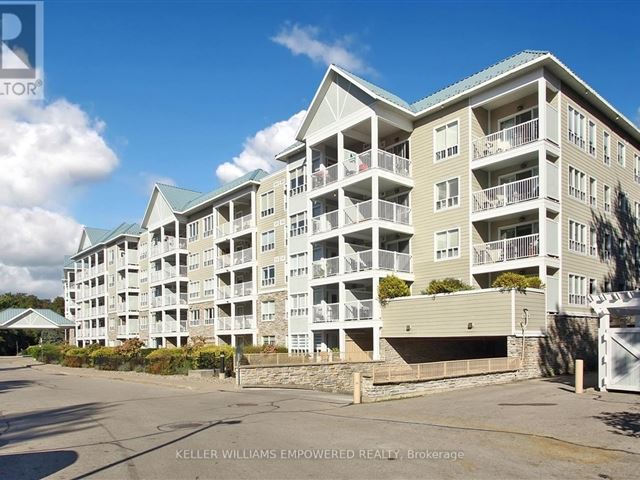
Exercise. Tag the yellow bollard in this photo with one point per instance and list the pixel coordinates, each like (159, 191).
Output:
(579, 370)
(357, 387)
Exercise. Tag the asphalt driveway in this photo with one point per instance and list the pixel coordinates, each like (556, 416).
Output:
(65, 423)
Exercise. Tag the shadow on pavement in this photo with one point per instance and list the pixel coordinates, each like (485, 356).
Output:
(623, 423)
(14, 384)
(32, 466)
(21, 427)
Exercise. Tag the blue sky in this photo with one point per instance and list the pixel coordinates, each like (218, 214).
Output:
(191, 92)
(181, 85)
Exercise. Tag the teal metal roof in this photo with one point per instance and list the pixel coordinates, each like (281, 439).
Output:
(454, 89)
(476, 79)
(123, 229)
(68, 262)
(292, 147)
(10, 313)
(254, 176)
(95, 234)
(177, 197)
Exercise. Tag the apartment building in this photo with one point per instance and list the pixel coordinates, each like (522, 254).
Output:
(101, 287)
(520, 167)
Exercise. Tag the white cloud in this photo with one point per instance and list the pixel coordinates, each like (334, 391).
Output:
(303, 40)
(45, 151)
(259, 151)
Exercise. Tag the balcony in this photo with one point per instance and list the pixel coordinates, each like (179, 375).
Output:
(223, 261)
(324, 176)
(173, 326)
(394, 261)
(243, 223)
(243, 256)
(506, 140)
(223, 292)
(168, 245)
(326, 267)
(358, 262)
(387, 211)
(239, 322)
(326, 312)
(325, 222)
(358, 310)
(243, 289)
(506, 250)
(173, 300)
(506, 194)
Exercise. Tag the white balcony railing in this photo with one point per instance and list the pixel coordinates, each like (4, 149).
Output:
(243, 322)
(506, 194)
(224, 323)
(223, 229)
(358, 213)
(326, 312)
(394, 261)
(243, 289)
(506, 139)
(171, 299)
(394, 212)
(243, 223)
(394, 163)
(358, 262)
(356, 162)
(324, 176)
(326, 267)
(325, 222)
(242, 256)
(223, 261)
(156, 302)
(223, 292)
(358, 310)
(506, 250)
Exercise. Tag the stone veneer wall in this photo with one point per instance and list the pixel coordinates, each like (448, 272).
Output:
(327, 377)
(278, 326)
(202, 330)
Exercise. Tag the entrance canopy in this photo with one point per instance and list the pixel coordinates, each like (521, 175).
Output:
(33, 319)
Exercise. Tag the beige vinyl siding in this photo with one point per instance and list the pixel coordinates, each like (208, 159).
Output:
(199, 246)
(277, 222)
(616, 178)
(491, 313)
(426, 173)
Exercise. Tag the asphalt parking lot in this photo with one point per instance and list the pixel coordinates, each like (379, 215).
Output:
(63, 423)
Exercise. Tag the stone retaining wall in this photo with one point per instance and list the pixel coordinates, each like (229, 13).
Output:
(327, 377)
(389, 391)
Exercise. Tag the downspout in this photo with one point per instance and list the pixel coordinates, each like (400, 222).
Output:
(523, 326)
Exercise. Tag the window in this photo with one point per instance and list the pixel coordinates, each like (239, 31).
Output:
(636, 171)
(194, 318)
(576, 128)
(207, 257)
(111, 257)
(577, 237)
(577, 184)
(623, 202)
(593, 242)
(622, 152)
(299, 342)
(144, 323)
(193, 231)
(268, 240)
(622, 247)
(607, 285)
(446, 141)
(112, 280)
(447, 194)
(208, 226)
(593, 192)
(448, 244)
(194, 289)
(298, 305)
(194, 261)
(209, 287)
(297, 182)
(209, 316)
(606, 246)
(606, 148)
(269, 276)
(298, 265)
(268, 340)
(592, 138)
(267, 310)
(298, 224)
(577, 289)
(593, 286)
(607, 198)
(267, 204)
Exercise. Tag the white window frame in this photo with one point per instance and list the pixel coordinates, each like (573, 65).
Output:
(449, 202)
(298, 265)
(592, 137)
(593, 242)
(194, 261)
(636, 171)
(268, 280)
(607, 246)
(270, 242)
(576, 133)
(622, 154)
(192, 231)
(577, 237)
(450, 151)
(593, 192)
(268, 340)
(449, 247)
(208, 257)
(194, 289)
(209, 287)
(606, 148)
(209, 316)
(266, 315)
(194, 318)
(299, 304)
(270, 208)
(579, 192)
(297, 186)
(606, 198)
(577, 297)
(208, 225)
(298, 227)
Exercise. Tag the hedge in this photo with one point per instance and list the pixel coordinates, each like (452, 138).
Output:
(77, 358)
(47, 353)
(168, 361)
(208, 357)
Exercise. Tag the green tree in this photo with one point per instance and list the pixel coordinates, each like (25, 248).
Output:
(392, 287)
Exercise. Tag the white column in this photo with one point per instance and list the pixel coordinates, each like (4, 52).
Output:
(376, 342)
(342, 341)
(542, 108)
(374, 141)
(603, 344)
(340, 155)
